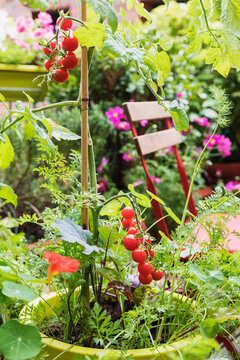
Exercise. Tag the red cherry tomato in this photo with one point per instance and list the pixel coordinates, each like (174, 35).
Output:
(47, 51)
(49, 63)
(145, 279)
(151, 253)
(66, 25)
(130, 242)
(157, 275)
(132, 230)
(128, 212)
(60, 75)
(126, 223)
(139, 255)
(134, 223)
(70, 43)
(145, 268)
(70, 61)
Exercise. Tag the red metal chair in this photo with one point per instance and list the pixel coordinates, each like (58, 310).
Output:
(150, 143)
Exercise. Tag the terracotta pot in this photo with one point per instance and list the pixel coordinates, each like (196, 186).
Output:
(70, 352)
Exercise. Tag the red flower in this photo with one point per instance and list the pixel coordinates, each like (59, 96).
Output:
(59, 264)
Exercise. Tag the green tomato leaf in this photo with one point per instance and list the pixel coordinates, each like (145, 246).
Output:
(29, 130)
(230, 15)
(105, 10)
(142, 11)
(168, 210)
(37, 4)
(7, 193)
(18, 341)
(179, 117)
(111, 236)
(44, 137)
(111, 209)
(164, 63)
(209, 328)
(92, 35)
(17, 291)
(6, 153)
(140, 198)
(166, 42)
(114, 45)
(59, 132)
(2, 98)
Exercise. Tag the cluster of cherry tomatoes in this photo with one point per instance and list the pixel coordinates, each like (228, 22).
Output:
(140, 247)
(68, 59)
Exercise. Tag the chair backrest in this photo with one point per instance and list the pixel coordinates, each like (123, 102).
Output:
(152, 142)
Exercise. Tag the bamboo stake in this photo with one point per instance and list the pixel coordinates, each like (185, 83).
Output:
(84, 112)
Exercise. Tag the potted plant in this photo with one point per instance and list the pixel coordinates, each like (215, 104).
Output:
(20, 55)
(105, 256)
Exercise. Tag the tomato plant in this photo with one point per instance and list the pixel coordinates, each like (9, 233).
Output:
(70, 43)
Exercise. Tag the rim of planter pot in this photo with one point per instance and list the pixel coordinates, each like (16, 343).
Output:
(17, 67)
(62, 347)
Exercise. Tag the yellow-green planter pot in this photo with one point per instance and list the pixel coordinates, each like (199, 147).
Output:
(71, 352)
(14, 79)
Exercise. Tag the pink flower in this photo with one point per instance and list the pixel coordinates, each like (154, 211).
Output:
(188, 130)
(199, 150)
(179, 95)
(114, 114)
(104, 162)
(39, 33)
(24, 24)
(213, 141)
(131, 100)
(102, 185)
(23, 44)
(44, 18)
(36, 46)
(224, 145)
(123, 125)
(219, 172)
(156, 179)
(128, 157)
(137, 183)
(202, 121)
(232, 186)
(144, 123)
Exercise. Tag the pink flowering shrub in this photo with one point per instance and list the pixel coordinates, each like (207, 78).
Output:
(222, 143)
(24, 34)
(232, 186)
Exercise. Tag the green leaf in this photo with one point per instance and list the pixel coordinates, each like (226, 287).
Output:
(179, 117)
(36, 4)
(30, 99)
(230, 15)
(2, 98)
(166, 42)
(194, 8)
(59, 132)
(7, 193)
(110, 235)
(19, 105)
(234, 280)
(18, 341)
(115, 45)
(168, 210)
(140, 198)
(214, 278)
(29, 130)
(44, 137)
(123, 12)
(141, 10)
(164, 63)
(112, 209)
(6, 153)
(105, 10)
(108, 273)
(209, 328)
(17, 291)
(197, 272)
(92, 35)
(72, 233)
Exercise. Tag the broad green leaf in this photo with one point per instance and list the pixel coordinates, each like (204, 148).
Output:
(105, 10)
(112, 209)
(18, 341)
(197, 272)
(179, 117)
(141, 10)
(91, 15)
(230, 15)
(129, 4)
(72, 233)
(37, 4)
(223, 66)
(234, 280)
(6, 153)
(166, 42)
(111, 236)
(214, 278)
(7, 193)
(44, 137)
(153, 85)
(164, 63)
(17, 291)
(194, 8)
(115, 46)
(59, 132)
(19, 105)
(30, 99)
(209, 328)
(140, 198)
(147, 60)
(92, 35)
(108, 273)
(29, 130)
